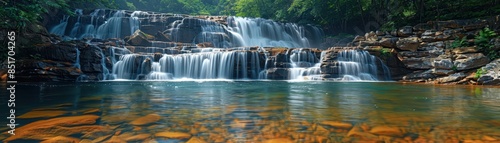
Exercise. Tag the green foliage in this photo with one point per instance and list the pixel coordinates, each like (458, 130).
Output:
(17, 14)
(454, 68)
(385, 52)
(459, 43)
(479, 72)
(482, 41)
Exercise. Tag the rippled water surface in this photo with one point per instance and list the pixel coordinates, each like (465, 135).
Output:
(255, 111)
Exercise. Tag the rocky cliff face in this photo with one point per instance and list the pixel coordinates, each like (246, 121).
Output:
(428, 52)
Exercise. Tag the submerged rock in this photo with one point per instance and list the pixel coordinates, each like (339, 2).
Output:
(148, 119)
(386, 130)
(337, 124)
(173, 135)
(42, 114)
(279, 140)
(62, 126)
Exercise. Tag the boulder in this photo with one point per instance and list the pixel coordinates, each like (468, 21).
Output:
(451, 78)
(490, 74)
(388, 42)
(162, 37)
(277, 73)
(419, 75)
(440, 63)
(470, 61)
(140, 38)
(408, 44)
(417, 63)
(372, 36)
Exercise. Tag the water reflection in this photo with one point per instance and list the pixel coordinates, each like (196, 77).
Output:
(243, 111)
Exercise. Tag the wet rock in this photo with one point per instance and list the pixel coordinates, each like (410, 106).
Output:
(470, 61)
(173, 135)
(464, 50)
(42, 114)
(61, 139)
(337, 124)
(387, 131)
(451, 78)
(148, 119)
(140, 38)
(408, 44)
(162, 37)
(277, 73)
(62, 126)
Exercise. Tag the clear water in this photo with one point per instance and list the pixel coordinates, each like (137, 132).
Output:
(257, 111)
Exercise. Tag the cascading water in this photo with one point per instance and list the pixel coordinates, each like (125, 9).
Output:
(100, 25)
(207, 64)
(268, 33)
(305, 65)
(204, 48)
(357, 65)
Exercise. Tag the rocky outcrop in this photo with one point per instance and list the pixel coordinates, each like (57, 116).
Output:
(489, 74)
(428, 52)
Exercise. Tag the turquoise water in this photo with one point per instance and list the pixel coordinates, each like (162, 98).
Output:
(259, 111)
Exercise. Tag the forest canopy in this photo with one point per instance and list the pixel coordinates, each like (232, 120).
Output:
(334, 16)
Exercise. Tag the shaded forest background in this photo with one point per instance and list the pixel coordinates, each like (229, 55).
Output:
(336, 17)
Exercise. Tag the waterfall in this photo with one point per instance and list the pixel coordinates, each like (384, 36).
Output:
(305, 65)
(207, 64)
(77, 60)
(268, 33)
(101, 26)
(357, 65)
(60, 29)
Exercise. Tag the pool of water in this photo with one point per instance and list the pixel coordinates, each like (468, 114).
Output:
(253, 111)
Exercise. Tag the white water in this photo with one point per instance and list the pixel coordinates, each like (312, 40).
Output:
(305, 65)
(267, 33)
(357, 65)
(207, 64)
(111, 28)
